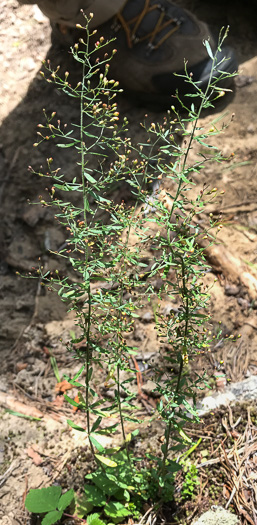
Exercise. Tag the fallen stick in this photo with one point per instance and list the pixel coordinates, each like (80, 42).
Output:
(12, 403)
(222, 260)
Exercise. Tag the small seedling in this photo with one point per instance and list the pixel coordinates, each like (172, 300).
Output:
(49, 501)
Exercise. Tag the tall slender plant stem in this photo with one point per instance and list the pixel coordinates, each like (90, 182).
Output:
(87, 316)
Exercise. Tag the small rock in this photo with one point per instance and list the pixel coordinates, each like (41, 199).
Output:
(157, 284)
(243, 303)
(3, 384)
(232, 289)
(251, 129)
(243, 80)
(149, 387)
(215, 401)
(29, 64)
(245, 390)
(236, 392)
(38, 15)
(146, 356)
(169, 308)
(147, 317)
(23, 304)
(20, 366)
(33, 214)
(139, 334)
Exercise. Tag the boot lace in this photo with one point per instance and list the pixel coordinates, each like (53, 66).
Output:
(131, 26)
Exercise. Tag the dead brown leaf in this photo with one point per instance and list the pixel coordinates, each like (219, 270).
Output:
(63, 386)
(21, 366)
(36, 458)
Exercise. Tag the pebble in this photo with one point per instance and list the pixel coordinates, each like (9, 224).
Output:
(251, 129)
(243, 80)
(243, 303)
(245, 390)
(149, 388)
(146, 356)
(232, 289)
(147, 317)
(3, 384)
(38, 15)
(139, 334)
(29, 64)
(157, 284)
(169, 308)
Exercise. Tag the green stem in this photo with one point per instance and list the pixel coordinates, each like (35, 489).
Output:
(184, 287)
(192, 135)
(181, 366)
(123, 267)
(87, 317)
(121, 414)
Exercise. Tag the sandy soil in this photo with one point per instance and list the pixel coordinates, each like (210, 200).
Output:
(31, 321)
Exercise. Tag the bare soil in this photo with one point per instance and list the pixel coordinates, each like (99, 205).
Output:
(32, 320)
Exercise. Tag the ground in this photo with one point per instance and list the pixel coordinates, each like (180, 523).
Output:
(32, 453)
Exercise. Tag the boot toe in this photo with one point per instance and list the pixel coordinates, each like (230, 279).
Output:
(171, 82)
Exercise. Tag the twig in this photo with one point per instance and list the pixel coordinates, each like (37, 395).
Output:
(8, 472)
(34, 315)
(145, 515)
(236, 205)
(25, 492)
(139, 380)
(60, 466)
(231, 497)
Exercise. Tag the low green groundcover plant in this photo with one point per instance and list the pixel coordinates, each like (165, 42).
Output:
(111, 279)
(49, 501)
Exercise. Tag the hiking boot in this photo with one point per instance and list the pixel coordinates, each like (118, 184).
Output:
(154, 38)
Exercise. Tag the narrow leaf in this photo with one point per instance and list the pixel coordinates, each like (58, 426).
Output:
(96, 443)
(71, 401)
(78, 374)
(66, 145)
(208, 49)
(86, 204)
(19, 414)
(90, 178)
(106, 461)
(96, 424)
(108, 430)
(184, 436)
(76, 427)
(55, 368)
